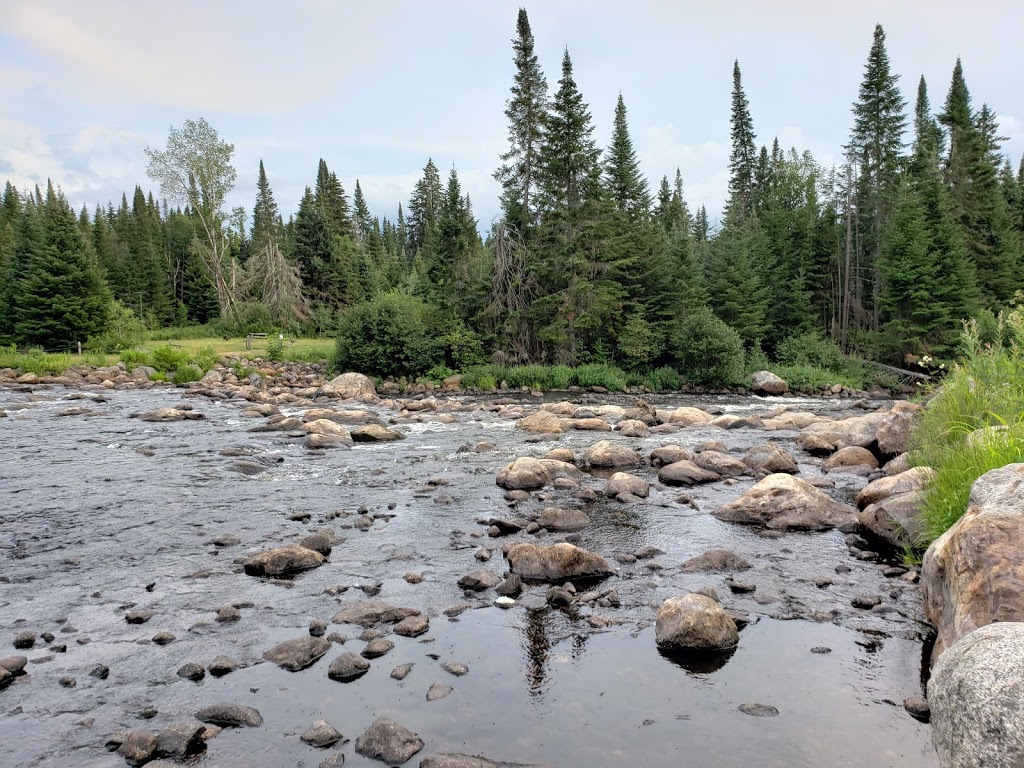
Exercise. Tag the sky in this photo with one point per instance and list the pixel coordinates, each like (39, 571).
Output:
(376, 89)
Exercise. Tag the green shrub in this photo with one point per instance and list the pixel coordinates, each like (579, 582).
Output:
(439, 373)
(808, 378)
(486, 382)
(599, 375)
(707, 351)
(639, 341)
(275, 350)
(124, 331)
(811, 349)
(463, 348)
(183, 332)
(166, 358)
(187, 374)
(134, 357)
(757, 360)
(246, 318)
(34, 361)
(392, 335)
(206, 358)
(664, 379)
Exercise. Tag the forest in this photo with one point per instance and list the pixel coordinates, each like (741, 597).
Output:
(881, 257)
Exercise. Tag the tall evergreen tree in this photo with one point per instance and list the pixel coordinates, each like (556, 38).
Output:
(743, 157)
(330, 196)
(266, 218)
(627, 186)
(311, 248)
(424, 210)
(361, 223)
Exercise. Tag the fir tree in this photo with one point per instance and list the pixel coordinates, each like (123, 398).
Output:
(266, 219)
(424, 209)
(742, 159)
(627, 186)
(330, 196)
(360, 215)
(311, 248)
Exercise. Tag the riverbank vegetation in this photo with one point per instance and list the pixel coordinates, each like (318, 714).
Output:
(590, 267)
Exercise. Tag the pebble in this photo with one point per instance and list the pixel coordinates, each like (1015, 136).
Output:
(401, 672)
(455, 668)
(192, 671)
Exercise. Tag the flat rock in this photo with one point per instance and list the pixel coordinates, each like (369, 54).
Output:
(412, 626)
(367, 614)
(299, 653)
(181, 740)
(541, 422)
(784, 502)
(456, 668)
(283, 561)
(388, 741)
(401, 671)
(348, 667)
(230, 715)
(480, 580)
(721, 464)
(438, 691)
(905, 482)
(556, 563)
(715, 561)
(455, 760)
(558, 519)
(375, 433)
(686, 472)
(523, 474)
(758, 710)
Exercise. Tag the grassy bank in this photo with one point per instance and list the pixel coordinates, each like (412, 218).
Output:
(974, 423)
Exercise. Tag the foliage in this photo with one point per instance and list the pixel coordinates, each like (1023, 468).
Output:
(186, 374)
(664, 379)
(707, 351)
(125, 331)
(34, 361)
(275, 350)
(166, 358)
(811, 349)
(802, 377)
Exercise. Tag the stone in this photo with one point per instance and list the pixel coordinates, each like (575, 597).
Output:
(321, 734)
(771, 459)
(226, 540)
(689, 417)
(558, 519)
(767, 383)
(162, 415)
(318, 442)
(401, 672)
(912, 480)
(758, 710)
(715, 561)
(784, 502)
(973, 575)
(480, 580)
(565, 455)
(317, 628)
(328, 428)
(376, 648)
(606, 453)
(375, 433)
(685, 472)
(388, 741)
(669, 454)
(334, 761)
(438, 691)
(99, 671)
(367, 614)
(222, 665)
(740, 587)
(351, 385)
(510, 586)
(283, 561)
(181, 740)
(866, 602)
(896, 519)
(975, 694)
(721, 464)
(541, 422)
(851, 456)
(555, 563)
(163, 638)
(594, 424)
(523, 474)
(230, 715)
(623, 482)
(793, 420)
(633, 428)
(138, 616)
(918, 708)
(321, 541)
(138, 747)
(24, 640)
(14, 664)
(562, 471)
(856, 430)
(228, 613)
(455, 668)
(412, 626)
(694, 623)
(299, 653)
(192, 671)
(895, 428)
(557, 597)
(348, 667)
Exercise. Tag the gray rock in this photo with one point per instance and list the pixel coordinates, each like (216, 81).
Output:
(226, 540)
(523, 474)
(348, 667)
(163, 638)
(767, 383)
(511, 586)
(375, 433)
(401, 672)
(138, 747)
(624, 482)
(412, 626)
(556, 563)
(694, 623)
(918, 708)
(866, 602)
(228, 613)
(230, 715)
(334, 761)
(321, 734)
(770, 458)
(721, 464)
(686, 472)
(138, 616)
(14, 664)
(317, 628)
(455, 668)
(758, 710)
(299, 653)
(24, 640)
(606, 453)
(438, 691)
(454, 760)
(367, 614)
(283, 561)
(321, 541)
(181, 740)
(557, 519)
(192, 671)
(100, 672)
(377, 647)
(480, 580)
(715, 561)
(222, 665)
(388, 741)
(784, 502)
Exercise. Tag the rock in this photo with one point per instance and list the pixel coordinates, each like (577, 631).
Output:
(975, 693)
(24, 640)
(591, 425)
(541, 422)
(480, 580)
(367, 614)
(226, 540)
(375, 433)
(67, 681)
(321, 734)
(162, 415)
(412, 626)
(895, 428)
(767, 383)
(560, 470)
(694, 623)
(721, 464)
(223, 665)
(138, 747)
(510, 586)
(715, 561)
(283, 561)
(851, 456)
(918, 708)
(669, 454)
(557, 597)
(605, 453)
(523, 474)
(14, 664)
(138, 616)
(866, 602)
(623, 482)
(468, 761)
(633, 428)
(401, 672)
(817, 445)
(686, 473)
(784, 502)
(758, 710)
(689, 417)
(192, 671)
(317, 442)
(556, 563)
(348, 667)
(228, 613)
(792, 420)
(896, 519)
(483, 554)
(856, 430)
(912, 480)
(299, 653)
(317, 628)
(821, 650)
(438, 691)
(351, 385)
(328, 428)
(455, 668)
(740, 587)
(973, 575)
(770, 458)
(181, 740)
(334, 761)
(565, 455)
(163, 638)
(895, 466)
(376, 648)
(647, 552)
(99, 671)
(557, 519)
(388, 741)
(230, 716)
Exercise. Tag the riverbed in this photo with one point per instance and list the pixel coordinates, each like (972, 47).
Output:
(104, 514)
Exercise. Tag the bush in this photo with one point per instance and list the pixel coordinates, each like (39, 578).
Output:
(390, 336)
(206, 358)
(125, 331)
(811, 349)
(187, 374)
(133, 357)
(247, 317)
(639, 341)
(166, 358)
(663, 379)
(599, 375)
(808, 378)
(34, 361)
(275, 349)
(707, 350)
(463, 348)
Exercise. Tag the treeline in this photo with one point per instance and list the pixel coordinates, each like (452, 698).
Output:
(920, 227)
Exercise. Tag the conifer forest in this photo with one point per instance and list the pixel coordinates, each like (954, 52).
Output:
(885, 254)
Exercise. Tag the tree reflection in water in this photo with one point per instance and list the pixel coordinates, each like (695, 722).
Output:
(541, 635)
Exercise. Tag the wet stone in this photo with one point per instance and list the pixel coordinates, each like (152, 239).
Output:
(821, 649)
(412, 626)
(223, 665)
(455, 668)
(317, 628)
(138, 747)
(192, 671)
(479, 580)
(401, 672)
(297, 654)
(348, 667)
(388, 741)
(321, 734)
(68, 682)
(334, 761)
(163, 638)
(369, 634)
(413, 578)
(100, 672)
(740, 587)
(377, 647)
(866, 602)
(918, 708)
(138, 616)
(758, 710)
(228, 613)
(438, 691)
(230, 715)
(181, 740)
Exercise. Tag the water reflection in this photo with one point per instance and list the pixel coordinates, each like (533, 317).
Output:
(539, 640)
(698, 662)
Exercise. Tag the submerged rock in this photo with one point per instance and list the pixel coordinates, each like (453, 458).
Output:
(455, 760)
(230, 715)
(367, 614)
(715, 561)
(348, 667)
(299, 653)
(388, 741)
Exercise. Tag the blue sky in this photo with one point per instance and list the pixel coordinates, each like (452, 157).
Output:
(376, 89)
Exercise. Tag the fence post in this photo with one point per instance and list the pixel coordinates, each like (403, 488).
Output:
(79, 349)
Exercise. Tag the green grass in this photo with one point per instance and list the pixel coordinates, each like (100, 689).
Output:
(47, 363)
(986, 389)
(803, 377)
(546, 377)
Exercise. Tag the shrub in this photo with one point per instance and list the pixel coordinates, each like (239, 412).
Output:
(390, 336)
(463, 348)
(34, 361)
(663, 379)
(186, 374)
(486, 382)
(639, 341)
(439, 373)
(166, 358)
(275, 349)
(811, 349)
(124, 331)
(599, 375)
(757, 360)
(707, 350)
(247, 317)
(134, 357)
(206, 358)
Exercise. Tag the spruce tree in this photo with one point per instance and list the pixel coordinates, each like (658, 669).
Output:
(424, 210)
(360, 215)
(311, 248)
(743, 157)
(526, 111)
(266, 219)
(626, 185)
(330, 196)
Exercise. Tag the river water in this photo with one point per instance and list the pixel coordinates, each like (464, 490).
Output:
(103, 513)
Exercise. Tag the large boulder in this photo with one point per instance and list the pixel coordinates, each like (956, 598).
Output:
(282, 561)
(973, 575)
(351, 385)
(669, 454)
(523, 474)
(784, 502)
(633, 428)
(720, 463)
(685, 473)
(689, 417)
(388, 741)
(375, 433)
(299, 653)
(770, 458)
(767, 383)
(328, 428)
(562, 470)
(694, 623)
(856, 430)
(541, 422)
(556, 563)
(558, 519)
(605, 453)
(975, 693)
(895, 428)
(906, 482)
(793, 420)
(895, 519)
(623, 482)
(851, 456)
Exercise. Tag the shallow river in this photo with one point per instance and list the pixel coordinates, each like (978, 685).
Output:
(98, 507)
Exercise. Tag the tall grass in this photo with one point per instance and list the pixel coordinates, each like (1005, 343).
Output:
(545, 377)
(34, 361)
(985, 391)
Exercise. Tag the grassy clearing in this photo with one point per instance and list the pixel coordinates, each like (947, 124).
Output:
(983, 392)
(305, 350)
(47, 363)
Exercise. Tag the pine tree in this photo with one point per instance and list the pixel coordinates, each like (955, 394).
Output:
(526, 111)
(266, 219)
(330, 196)
(424, 210)
(311, 248)
(928, 137)
(360, 215)
(742, 159)
(627, 186)
(733, 280)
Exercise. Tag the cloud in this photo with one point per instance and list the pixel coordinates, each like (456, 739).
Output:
(703, 165)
